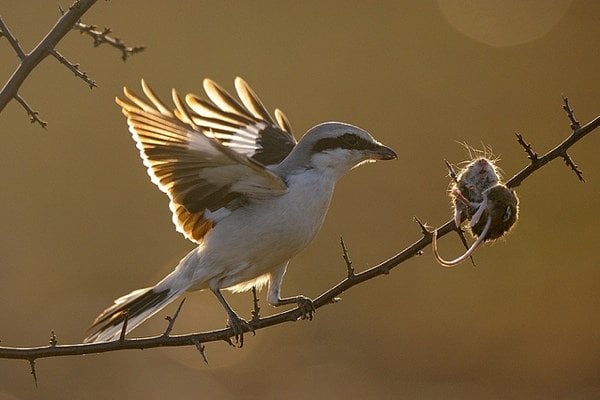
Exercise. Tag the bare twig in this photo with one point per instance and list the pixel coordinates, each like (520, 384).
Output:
(101, 37)
(463, 239)
(557, 151)
(33, 115)
(74, 68)
(29, 61)
(202, 349)
(4, 31)
(532, 155)
(571, 164)
(194, 339)
(424, 228)
(451, 171)
(346, 257)
(33, 371)
(42, 50)
(255, 306)
(172, 319)
(570, 114)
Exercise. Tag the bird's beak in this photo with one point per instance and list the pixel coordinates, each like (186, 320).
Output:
(382, 152)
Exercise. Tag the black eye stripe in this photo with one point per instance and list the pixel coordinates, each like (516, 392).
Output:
(346, 141)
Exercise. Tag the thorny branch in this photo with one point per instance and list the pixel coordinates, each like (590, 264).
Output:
(172, 319)
(202, 349)
(4, 31)
(42, 50)
(74, 68)
(571, 164)
(199, 339)
(346, 258)
(33, 115)
(532, 155)
(570, 114)
(33, 371)
(101, 37)
(256, 307)
(559, 151)
(29, 61)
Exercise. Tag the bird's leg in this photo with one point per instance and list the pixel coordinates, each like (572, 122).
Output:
(237, 324)
(273, 297)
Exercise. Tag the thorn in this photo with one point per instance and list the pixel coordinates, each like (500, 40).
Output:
(76, 4)
(53, 339)
(172, 319)
(33, 371)
(228, 340)
(256, 310)
(346, 258)
(571, 164)
(532, 155)
(463, 239)
(201, 348)
(570, 114)
(451, 171)
(124, 328)
(424, 230)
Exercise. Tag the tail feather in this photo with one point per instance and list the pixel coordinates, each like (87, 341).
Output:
(136, 306)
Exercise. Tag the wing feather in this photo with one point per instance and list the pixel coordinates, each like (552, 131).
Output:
(282, 121)
(222, 99)
(244, 126)
(251, 101)
(204, 178)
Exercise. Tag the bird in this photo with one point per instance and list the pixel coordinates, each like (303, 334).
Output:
(240, 187)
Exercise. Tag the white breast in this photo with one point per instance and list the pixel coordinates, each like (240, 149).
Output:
(264, 234)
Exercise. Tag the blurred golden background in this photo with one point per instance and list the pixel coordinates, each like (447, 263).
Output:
(82, 224)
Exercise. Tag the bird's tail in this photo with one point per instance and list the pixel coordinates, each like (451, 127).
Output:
(134, 307)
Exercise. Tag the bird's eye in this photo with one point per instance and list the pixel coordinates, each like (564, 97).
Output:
(350, 139)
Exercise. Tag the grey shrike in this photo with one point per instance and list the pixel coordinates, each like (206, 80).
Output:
(240, 187)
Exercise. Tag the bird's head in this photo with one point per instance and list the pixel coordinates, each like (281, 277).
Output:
(338, 147)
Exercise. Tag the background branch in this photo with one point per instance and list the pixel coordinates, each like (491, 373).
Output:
(101, 37)
(329, 296)
(42, 50)
(74, 68)
(33, 115)
(29, 61)
(4, 31)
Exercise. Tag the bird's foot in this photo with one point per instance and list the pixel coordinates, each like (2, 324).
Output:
(239, 326)
(307, 307)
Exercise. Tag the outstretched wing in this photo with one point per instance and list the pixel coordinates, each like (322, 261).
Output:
(204, 178)
(245, 127)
